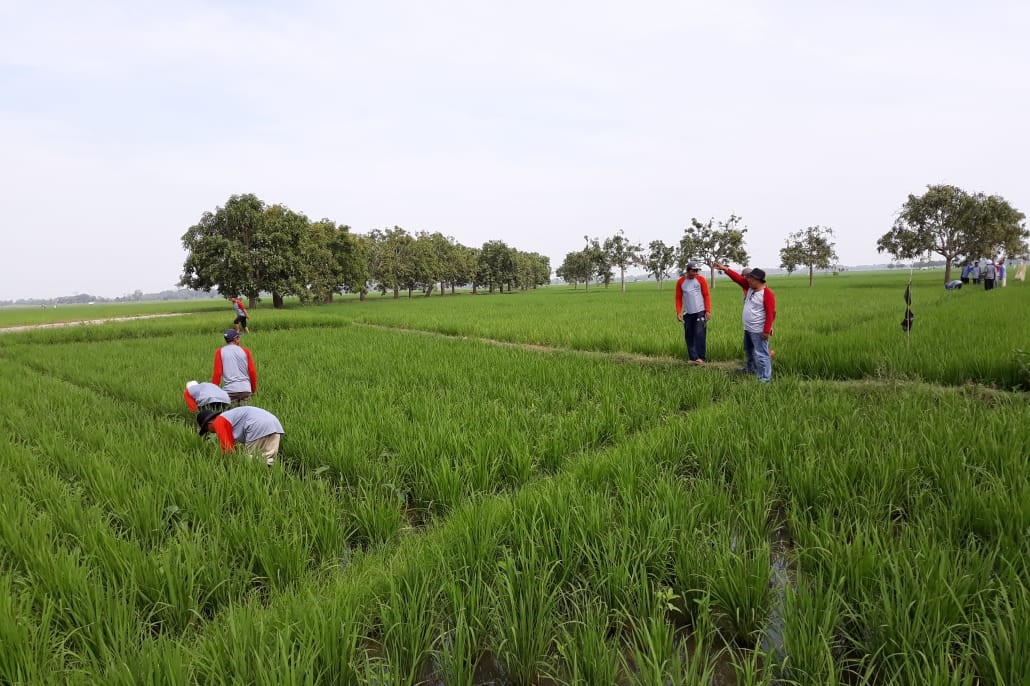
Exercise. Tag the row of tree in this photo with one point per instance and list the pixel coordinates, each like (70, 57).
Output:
(703, 242)
(248, 247)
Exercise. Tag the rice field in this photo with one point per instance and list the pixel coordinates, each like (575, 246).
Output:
(531, 488)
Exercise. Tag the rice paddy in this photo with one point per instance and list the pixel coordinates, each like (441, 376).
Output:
(531, 488)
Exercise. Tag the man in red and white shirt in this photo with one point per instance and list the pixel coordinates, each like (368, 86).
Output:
(758, 316)
(241, 316)
(693, 308)
(257, 430)
(234, 369)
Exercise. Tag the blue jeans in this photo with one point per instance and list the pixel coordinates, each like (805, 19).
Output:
(757, 351)
(695, 330)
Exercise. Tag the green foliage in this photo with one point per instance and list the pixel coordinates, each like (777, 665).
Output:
(712, 242)
(461, 510)
(810, 248)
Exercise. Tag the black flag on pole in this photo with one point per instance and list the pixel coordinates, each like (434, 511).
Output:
(906, 323)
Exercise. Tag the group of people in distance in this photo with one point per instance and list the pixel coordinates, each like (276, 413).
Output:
(694, 309)
(223, 405)
(989, 273)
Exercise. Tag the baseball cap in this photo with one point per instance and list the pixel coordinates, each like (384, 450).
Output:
(231, 335)
(203, 417)
(757, 273)
(692, 265)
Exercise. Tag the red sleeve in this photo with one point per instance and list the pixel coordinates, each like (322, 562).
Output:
(216, 375)
(704, 293)
(190, 402)
(223, 429)
(239, 303)
(737, 279)
(769, 300)
(679, 295)
(252, 371)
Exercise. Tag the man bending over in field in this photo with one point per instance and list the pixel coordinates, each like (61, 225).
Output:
(257, 430)
(205, 396)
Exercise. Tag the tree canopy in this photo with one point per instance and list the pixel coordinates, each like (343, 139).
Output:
(956, 225)
(812, 248)
(712, 242)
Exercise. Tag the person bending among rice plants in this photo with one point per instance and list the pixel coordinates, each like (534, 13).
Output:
(234, 369)
(257, 431)
(205, 396)
(758, 316)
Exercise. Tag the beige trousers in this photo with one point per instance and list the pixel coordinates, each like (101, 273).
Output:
(268, 446)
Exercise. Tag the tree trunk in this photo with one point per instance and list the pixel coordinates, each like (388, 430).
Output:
(947, 269)
(361, 295)
(443, 288)
(811, 274)
(396, 293)
(277, 300)
(622, 275)
(328, 299)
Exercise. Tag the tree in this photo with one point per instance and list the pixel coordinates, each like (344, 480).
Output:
(954, 224)
(711, 243)
(334, 261)
(619, 252)
(496, 265)
(280, 252)
(810, 248)
(578, 266)
(221, 249)
(659, 259)
(599, 265)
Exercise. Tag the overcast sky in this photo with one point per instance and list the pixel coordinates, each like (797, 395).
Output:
(531, 122)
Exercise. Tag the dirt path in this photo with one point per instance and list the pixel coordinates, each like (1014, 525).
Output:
(83, 322)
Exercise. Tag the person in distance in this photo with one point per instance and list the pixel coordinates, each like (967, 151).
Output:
(235, 370)
(205, 396)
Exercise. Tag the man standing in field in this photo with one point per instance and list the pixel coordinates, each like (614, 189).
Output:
(257, 430)
(693, 309)
(205, 396)
(758, 317)
(234, 369)
(241, 316)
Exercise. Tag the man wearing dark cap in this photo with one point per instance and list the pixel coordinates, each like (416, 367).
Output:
(693, 308)
(257, 430)
(758, 316)
(235, 370)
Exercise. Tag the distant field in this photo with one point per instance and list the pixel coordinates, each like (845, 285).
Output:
(531, 488)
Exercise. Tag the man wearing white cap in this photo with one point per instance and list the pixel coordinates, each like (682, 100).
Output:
(205, 396)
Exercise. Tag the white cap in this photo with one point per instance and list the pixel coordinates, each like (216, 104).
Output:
(191, 384)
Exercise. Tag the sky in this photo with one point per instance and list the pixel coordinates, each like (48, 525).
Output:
(536, 123)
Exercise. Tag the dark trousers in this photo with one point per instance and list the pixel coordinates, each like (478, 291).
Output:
(965, 279)
(695, 330)
(988, 284)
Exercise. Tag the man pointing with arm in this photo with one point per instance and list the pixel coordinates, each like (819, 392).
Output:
(758, 317)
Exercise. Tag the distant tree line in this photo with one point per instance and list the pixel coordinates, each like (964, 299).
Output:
(247, 247)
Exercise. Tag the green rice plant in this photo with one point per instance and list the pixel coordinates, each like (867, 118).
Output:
(657, 655)
(525, 621)
(410, 624)
(588, 644)
(917, 607)
(377, 515)
(32, 647)
(738, 580)
(1002, 635)
(811, 622)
